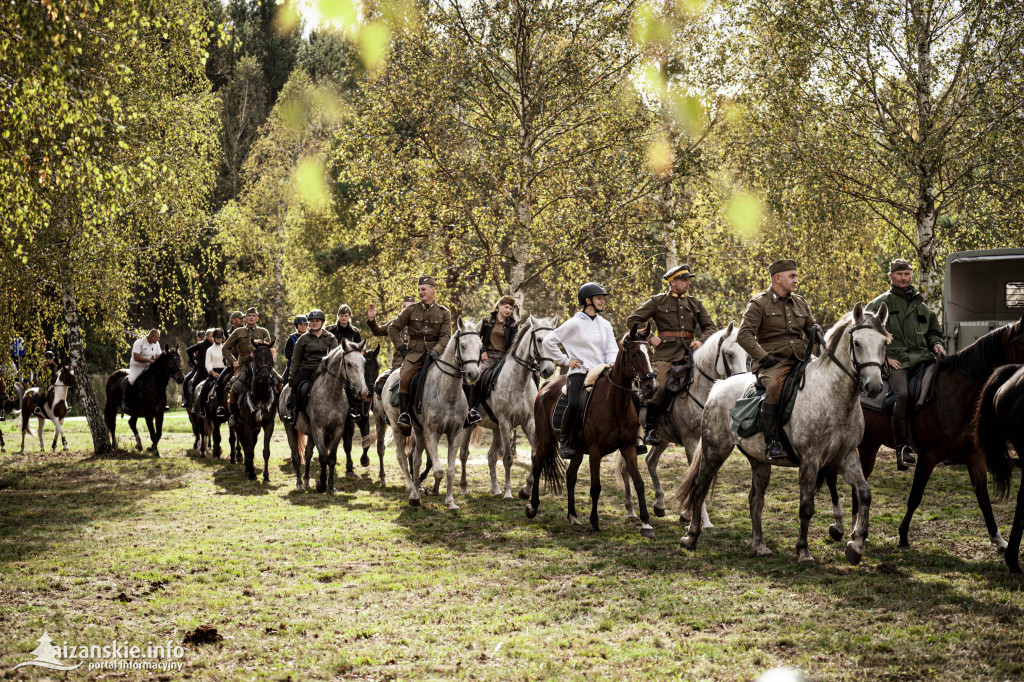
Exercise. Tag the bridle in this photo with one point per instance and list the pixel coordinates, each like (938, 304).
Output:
(637, 376)
(459, 368)
(535, 357)
(858, 366)
(345, 381)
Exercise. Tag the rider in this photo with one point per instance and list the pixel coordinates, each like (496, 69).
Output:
(236, 320)
(497, 333)
(589, 341)
(772, 333)
(430, 329)
(213, 363)
(915, 336)
(678, 317)
(310, 349)
(46, 377)
(397, 355)
(343, 328)
(301, 324)
(145, 351)
(237, 350)
(197, 361)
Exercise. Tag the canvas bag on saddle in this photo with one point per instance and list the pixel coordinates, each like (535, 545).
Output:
(746, 415)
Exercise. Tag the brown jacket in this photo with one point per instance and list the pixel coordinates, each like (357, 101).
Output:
(777, 326)
(428, 327)
(239, 344)
(397, 355)
(672, 313)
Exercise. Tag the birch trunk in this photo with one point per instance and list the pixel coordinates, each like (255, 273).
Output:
(94, 416)
(927, 165)
(523, 203)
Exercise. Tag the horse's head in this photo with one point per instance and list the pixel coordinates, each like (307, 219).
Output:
(540, 327)
(372, 368)
(1013, 343)
(263, 362)
(868, 339)
(169, 364)
(67, 377)
(637, 351)
(353, 367)
(730, 358)
(468, 347)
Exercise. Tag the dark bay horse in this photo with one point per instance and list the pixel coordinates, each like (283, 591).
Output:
(942, 427)
(999, 418)
(257, 407)
(611, 424)
(361, 406)
(151, 397)
(54, 407)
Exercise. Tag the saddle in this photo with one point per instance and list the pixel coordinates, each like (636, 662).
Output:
(563, 401)
(416, 390)
(302, 392)
(921, 387)
(488, 379)
(378, 386)
(746, 415)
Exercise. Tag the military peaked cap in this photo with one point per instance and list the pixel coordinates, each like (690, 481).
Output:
(681, 271)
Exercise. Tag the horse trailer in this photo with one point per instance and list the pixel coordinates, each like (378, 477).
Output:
(984, 290)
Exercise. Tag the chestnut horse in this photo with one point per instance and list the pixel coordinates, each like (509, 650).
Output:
(942, 427)
(611, 424)
(54, 408)
(151, 397)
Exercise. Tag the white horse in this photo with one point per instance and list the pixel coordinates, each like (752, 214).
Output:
(53, 408)
(444, 410)
(826, 427)
(719, 358)
(511, 401)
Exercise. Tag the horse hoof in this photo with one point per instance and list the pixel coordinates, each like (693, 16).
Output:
(573, 520)
(687, 542)
(835, 533)
(298, 486)
(523, 495)
(350, 473)
(531, 511)
(647, 532)
(507, 498)
(708, 526)
(852, 555)
(321, 488)
(452, 507)
(763, 551)
(331, 490)
(594, 531)
(364, 461)
(808, 558)
(659, 512)
(904, 544)
(414, 502)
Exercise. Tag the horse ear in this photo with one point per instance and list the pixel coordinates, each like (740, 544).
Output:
(632, 331)
(728, 330)
(882, 315)
(362, 344)
(858, 313)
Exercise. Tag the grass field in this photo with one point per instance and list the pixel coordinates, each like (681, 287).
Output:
(360, 585)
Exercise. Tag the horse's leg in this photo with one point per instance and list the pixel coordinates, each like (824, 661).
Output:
(347, 433)
(922, 472)
(530, 431)
(454, 438)
(868, 452)
(310, 445)
(381, 434)
(407, 469)
(570, 486)
(317, 437)
(492, 458)
(332, 462)
(978, 471)
(159, 424)
(293, 446)
(595, 489)
(1013, 548)
(854, 475)
(808, 488)
(652, 459)
(429, 442)
(268, 432)
(760, 475)
(41, 421)
(836, 530)
(508, 456)
(627, 492)
(629, 456)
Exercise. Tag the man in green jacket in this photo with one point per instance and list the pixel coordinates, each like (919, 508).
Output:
(916, 335)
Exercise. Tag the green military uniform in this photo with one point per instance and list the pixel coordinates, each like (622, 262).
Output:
(309, 351)
(397, 355)
(238, 348)
(428, 328)
(775, 325)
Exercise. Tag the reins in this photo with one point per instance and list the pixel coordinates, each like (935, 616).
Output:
(458, 369)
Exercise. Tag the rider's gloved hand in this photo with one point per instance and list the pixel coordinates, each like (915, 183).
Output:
(768, 361)
(433, 354)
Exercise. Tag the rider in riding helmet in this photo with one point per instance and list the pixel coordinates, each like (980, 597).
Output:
(343, 329)
(310, 349)
(497, 333)
(589, 341)
(301, 323)
(237, 350)
(213, 363)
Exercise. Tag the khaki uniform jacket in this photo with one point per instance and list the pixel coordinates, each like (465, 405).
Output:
(429, 328)
(672, 313)
(768, 317)
(310, 350)
(377, 330)
(914, 327)
(239, 344)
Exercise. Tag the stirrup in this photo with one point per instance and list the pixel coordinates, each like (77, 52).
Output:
(288, 418)
(405, 423)
(774, 451)
(472, 417)
(565, 448)
(905, 457)
(221, 412)
(651, 438)
(641, 448)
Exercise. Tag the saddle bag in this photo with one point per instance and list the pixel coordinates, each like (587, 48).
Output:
(679, 375)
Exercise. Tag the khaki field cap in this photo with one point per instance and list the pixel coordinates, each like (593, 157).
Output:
(899, 265)
(251, 311)
(237, 315)
(426, 279)
(681, 271)
(784, 265)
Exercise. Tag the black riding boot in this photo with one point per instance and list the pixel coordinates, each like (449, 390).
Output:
(233, 409)
(770, 420)
(289, 415)
(651, 423)
(404, 420)
(904, 453)
(565, 448)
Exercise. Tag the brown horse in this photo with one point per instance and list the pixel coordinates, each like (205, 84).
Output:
(54, 408)
(150, 393)
(611, 424)
(941, 428)
(999, 418)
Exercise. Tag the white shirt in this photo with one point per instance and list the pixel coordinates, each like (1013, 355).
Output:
(145, 349)
(215, 357)
(589, 340)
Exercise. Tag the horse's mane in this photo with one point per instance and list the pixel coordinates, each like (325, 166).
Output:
(836, 332)
(709, 345)
(524, 329)
(980, 358)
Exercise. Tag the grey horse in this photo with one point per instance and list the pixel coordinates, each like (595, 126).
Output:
(719, 358)
(826, 427)
(511, 401)
(323, 420)
(444, 410)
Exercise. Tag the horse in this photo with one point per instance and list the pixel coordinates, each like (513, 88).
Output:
(609, 423)
(719, 358)
(826, 426)
(8, 402)
(341, 372)
(941, 428)
(444, 410)
(55, 408)
(998, 418)
(361, 406)
(256, 406)
(510, 404)
(151, 397)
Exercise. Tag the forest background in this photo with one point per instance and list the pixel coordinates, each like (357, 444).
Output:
(165, 163)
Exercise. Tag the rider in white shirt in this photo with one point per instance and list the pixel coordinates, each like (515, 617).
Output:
(214, 366)
(144, 351)
(589, 341)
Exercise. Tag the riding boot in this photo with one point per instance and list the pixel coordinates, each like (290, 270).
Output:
(901, 436)
(770, 420)
(404, 420)
(472, 417)
(651, 423)
(233, 409)
(289, 415)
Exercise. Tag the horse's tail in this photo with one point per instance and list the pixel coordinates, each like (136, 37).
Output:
(684, 495)
(300, 440)
(989, 434)
(552, 471)
(369, 439)
(619, 468)
(476, 437)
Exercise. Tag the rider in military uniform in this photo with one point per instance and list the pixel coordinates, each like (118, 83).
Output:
(683, 326)
(237, 350)
(397, 354)
(430, 328)
(310, 349)
(916, 335)
(772, 332)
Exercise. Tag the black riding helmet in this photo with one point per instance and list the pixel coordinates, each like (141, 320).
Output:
(48, 355)
(300, 319)
(590, 289)
(316, 314)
